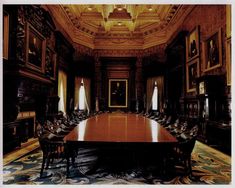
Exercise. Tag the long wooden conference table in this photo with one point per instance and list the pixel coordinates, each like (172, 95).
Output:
(117, 128)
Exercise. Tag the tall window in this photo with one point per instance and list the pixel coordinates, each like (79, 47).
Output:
(154, 93)
(62, 90)
(82, 94)
(155, 97)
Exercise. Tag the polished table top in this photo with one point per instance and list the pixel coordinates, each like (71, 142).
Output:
(119, 127)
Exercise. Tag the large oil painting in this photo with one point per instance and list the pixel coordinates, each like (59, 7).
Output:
(192, 72)
(212, 50)
(35, 49)
(192, 44)
(118, 93)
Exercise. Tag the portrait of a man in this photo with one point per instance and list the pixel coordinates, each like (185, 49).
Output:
(212, 54)
(117, 93)
(213, 51)
(35, 49)
(193, 49)
(192, 74)
(192, 42)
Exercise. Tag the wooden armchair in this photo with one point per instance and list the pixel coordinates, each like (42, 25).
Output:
(184, 150)
(185, 147)
(51, 150)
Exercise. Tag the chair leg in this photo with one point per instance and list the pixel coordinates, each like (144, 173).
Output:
(186, 165)
(67, 167)
(73, 160)
(52, 160)
(190, 167)
(48, 161)
(42, 167)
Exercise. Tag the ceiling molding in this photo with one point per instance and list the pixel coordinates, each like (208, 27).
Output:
(83, 39)
(117, 53)
(131, 27)
(62, 22)
(177, 22)
(118, 43)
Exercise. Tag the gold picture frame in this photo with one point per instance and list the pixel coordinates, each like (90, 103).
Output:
(192, 72)
(212, 51)
(192, 44)
(228, 60)
(5, 34)
(35, 49)
(118, 92)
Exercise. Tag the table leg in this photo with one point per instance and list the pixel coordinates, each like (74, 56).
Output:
(67, 158)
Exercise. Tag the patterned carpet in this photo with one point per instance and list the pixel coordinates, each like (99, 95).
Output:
(209, 167)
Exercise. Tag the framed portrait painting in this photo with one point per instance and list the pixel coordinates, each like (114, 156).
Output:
(192, 72)
(118, 89)
(35, 49)
(192, 44)
(212, 52)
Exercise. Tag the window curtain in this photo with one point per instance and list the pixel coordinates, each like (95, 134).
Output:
(87, 84)
(82, 97)
(76, 92)
(149, 92)
(62, 90)
(155, 97)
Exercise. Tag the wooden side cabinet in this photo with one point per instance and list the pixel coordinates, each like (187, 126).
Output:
(11, 136)
(25, 117)
(210, 92)
(219, 135)
(19, 131)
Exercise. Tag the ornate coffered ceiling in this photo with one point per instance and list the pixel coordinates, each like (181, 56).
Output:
(119, 26)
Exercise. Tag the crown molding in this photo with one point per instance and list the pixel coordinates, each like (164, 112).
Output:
(118, 43)
(118, 53)
(153, 36)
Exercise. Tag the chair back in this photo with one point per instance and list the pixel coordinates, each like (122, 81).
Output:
(194, 131)
(51, 148)
(168, 121)
(187, 147)
(39, 129)
(189, 139)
